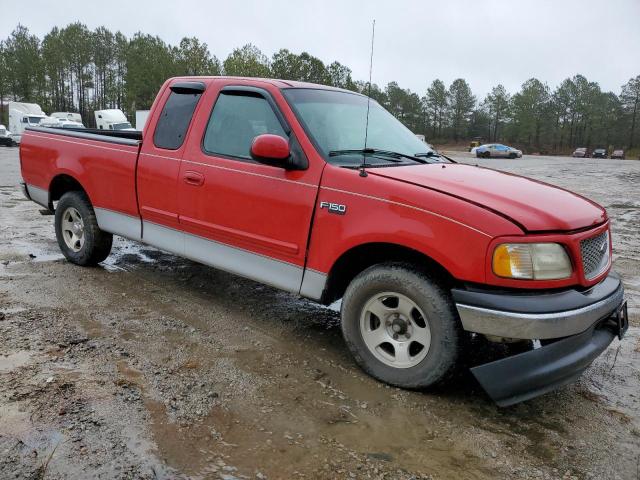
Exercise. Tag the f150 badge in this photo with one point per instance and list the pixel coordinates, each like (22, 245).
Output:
(334, 208)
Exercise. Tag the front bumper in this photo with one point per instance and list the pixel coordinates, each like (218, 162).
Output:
(536, 316)
(527, 375)
(583, 323)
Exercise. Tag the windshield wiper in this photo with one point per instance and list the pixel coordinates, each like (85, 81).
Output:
(395, 156)
(434, 154)
(430, 153)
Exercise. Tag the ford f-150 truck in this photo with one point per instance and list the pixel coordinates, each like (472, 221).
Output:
(321, 192)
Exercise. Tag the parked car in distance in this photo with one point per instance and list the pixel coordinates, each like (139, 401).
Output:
(619, 154)
(599, 153)
(497, 150)
(271, 180)
(5, 137)
(581, 152)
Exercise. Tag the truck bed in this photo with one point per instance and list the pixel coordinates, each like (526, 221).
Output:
(107, 158)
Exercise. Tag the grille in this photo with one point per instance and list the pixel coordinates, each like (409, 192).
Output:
(595, 254)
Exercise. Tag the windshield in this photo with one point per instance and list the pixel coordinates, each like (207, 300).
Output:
(336, 121)
(35, 119)
(121, 126)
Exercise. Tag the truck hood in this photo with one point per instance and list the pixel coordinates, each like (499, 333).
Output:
(534, 206)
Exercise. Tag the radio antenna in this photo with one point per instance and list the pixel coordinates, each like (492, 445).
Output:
(363, 172)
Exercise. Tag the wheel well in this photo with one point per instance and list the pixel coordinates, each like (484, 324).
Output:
(62, 184)
(359, 258)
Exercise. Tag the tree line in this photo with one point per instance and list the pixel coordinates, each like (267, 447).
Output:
(77, 69)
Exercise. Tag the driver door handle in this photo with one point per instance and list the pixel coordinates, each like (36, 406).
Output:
(193, 178)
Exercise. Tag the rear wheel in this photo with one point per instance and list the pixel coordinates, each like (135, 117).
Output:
(486, 154)
(79, 237)
(401, 326)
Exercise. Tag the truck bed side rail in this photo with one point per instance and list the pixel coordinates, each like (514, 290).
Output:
(110, 136)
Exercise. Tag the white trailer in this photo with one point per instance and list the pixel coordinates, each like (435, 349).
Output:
(141, 119)
(22, 115)
(72, 116)
(112, 119)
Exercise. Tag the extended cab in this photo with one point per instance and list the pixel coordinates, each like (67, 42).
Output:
(320, 192)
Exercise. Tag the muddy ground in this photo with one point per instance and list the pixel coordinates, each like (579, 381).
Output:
(152, 366)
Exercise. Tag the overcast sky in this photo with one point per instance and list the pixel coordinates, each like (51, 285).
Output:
(484, 41)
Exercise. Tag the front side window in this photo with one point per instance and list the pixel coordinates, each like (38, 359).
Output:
(174, 120)
(236, 120)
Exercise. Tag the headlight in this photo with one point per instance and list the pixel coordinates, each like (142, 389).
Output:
(531, 261)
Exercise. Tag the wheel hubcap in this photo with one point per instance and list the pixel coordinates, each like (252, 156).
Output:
(395, 330)
(73, 229)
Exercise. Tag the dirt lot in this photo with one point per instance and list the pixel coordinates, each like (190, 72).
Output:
(156, 367)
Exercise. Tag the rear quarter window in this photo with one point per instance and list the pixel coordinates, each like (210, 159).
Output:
(174, 120)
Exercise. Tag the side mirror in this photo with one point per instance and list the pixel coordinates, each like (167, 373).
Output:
(272, 148)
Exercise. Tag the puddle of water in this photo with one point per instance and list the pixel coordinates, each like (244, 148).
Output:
(14, 421)
(131, 375)
(126, 252)
(355, 412)
(13, 310)
(16, 424)
(35, 251)
(616, 376)
(14, 360)
(188, 449)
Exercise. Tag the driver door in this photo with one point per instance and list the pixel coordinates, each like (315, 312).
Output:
(238, 214)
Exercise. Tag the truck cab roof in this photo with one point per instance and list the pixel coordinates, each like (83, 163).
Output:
(278, 83)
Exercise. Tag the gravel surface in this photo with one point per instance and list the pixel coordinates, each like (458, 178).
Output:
(152, 366)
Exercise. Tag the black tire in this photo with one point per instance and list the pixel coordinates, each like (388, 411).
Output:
(486, 155)
(430, 297)
(512, 155)
(97, 244)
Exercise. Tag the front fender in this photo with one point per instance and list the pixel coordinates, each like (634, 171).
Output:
(452, 232)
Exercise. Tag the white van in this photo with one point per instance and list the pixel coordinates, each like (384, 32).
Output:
(22, 115)
(112, 119)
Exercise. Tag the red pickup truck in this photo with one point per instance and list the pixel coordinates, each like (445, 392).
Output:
(275, 181)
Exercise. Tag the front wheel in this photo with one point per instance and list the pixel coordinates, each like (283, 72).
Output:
(79, 236)
(401, 326)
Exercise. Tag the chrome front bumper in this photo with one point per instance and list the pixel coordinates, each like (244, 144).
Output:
(525, 315)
